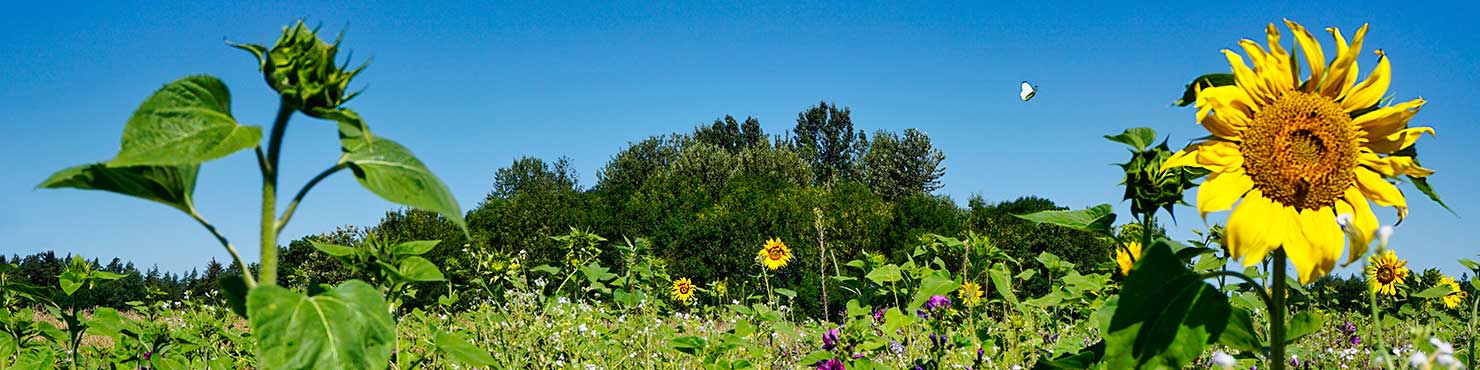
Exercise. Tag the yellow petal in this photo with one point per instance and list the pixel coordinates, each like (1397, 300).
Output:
(1363, 220)
(1280, 60)
(1315, 244)
(1393, 166)
(1247, 79)
(1221, 190)
(1380, 191)
(1257, 226)
(1314, 56)
(1398, 140)
(1371, 90)
(1344, 69)
(1385, 121)
(1213, 155)
(1225, 111)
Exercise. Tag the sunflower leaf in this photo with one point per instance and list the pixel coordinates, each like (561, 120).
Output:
(1434, 292)
(1189, 95)
(1095, 219)
(1137, 137)
(1166, 315)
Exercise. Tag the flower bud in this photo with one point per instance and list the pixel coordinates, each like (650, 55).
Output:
(300, 67)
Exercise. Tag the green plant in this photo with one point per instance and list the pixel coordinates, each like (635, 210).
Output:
(189, 122)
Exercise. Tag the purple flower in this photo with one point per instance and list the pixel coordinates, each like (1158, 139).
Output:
(830, 339)
(1349, 328)
(897, 347)
(830, 364)
(879, 314)
(857, 356)
(937, 302)
(920, 313)
(1356, 340)
(148, 354)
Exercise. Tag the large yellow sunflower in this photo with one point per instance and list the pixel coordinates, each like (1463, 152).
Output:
(1127, 260)
(1299, 153)
(970, 294)
(1455, 296)
(1385, 272)
(683, 290)
(774, 254)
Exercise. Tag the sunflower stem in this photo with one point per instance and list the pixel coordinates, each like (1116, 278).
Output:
(1277, 312)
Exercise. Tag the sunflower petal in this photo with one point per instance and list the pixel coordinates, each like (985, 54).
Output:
(1393, 166)
(1221, 190)
(1257, 226)
(1277, 67)
(1344, 69)
(1247, 79)
(1385, 121)
(1315, 246)
(1398, 140)
(1363, 220)
(1225, 111)
(1374, 187)
(1214, 155)
(1314, 56)
(1371, 90)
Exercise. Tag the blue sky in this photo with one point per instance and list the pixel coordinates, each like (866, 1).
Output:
(470, 87)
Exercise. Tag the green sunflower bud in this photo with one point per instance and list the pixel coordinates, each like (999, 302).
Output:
(1148, 185)
(301, 68)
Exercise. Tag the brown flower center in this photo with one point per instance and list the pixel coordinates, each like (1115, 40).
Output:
(775, 253)
(1385, 275)
(1301, 151)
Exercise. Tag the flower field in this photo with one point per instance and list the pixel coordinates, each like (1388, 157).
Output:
(778, 274)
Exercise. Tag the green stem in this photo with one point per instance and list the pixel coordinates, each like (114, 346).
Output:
(268, 275)
(293, 206)
(236, 257)
(1277, 312)
(1373, 330)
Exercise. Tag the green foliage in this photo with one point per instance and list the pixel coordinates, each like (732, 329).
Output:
(187, 122)
(1166, 314)
(172, 185)
(390, 171)
(899, 165)
(349, 327)
(824, 135)
(1097, 219)
(1148, 185)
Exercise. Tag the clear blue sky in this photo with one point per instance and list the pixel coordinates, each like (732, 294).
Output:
(470, 87)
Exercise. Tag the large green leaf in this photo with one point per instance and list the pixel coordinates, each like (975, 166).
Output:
(1240, 333)
(392, 172)
(1434, 292)
(349, 327)
(459, 350)
(420, 269)
(933, 285)
(1189, 95)
(186, 122)
(1138, 137)
(172, 185)
(414, 248)
(1166, 315)
(1303, 324)
(1097, 219)
(333, 249)
(885, 274)
(1003, 285)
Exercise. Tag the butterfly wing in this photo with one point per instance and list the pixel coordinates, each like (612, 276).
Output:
(1028, 91)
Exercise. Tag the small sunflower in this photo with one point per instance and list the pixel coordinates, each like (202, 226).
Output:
(1385, 272)
(1126, 260)
(774, 254)
(683, 290)
(720, 289)
(1455, 296)
(1298, 153)
(970, 293)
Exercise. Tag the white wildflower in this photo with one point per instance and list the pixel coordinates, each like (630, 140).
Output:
(1223, 360)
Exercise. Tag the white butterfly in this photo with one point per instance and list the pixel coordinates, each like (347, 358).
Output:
(1028, 91)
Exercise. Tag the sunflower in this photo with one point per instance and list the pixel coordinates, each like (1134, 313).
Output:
(970, 293)
(1126, 260)
(774, 254)
(683, 290)
(1299, 153)
(1455, 296)
(720, 289)
(1385, 272)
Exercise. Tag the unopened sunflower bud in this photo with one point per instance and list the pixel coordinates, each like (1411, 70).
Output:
(301, 68)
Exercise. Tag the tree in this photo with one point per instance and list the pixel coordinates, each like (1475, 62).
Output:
(897, 166)
(530, 173)
(824, 135)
